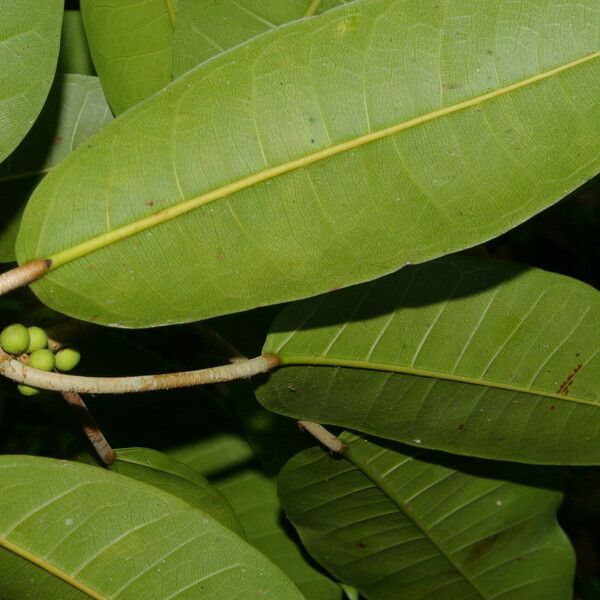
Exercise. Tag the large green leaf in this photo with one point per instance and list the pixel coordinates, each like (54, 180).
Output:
(66, 527)
(465, 355)
(74, 110)
(204, 29)
(29, 41)
(399, 523)
(254, 498)
(324, 153)
(130, 43)
(157, 469)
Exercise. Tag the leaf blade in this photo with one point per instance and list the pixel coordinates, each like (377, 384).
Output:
(200, 33)
(29, 43)
(231, 202)
(41, 523)
(368, 516)
(254, 498)
(462, 355)
(157, 469)
(130, 43)
(75, 109)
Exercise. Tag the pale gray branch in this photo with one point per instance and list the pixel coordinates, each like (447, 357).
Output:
(58, 382)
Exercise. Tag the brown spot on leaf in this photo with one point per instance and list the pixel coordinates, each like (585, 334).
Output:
(461, 427)
(481, 548)
(566, 384)
(361, 545)
(552, 407)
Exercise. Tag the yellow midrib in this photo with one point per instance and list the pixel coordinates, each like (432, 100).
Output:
(325, 361)
(171, 11)
(312, 9)
(50, 568)
(382, 483)
(65, 256)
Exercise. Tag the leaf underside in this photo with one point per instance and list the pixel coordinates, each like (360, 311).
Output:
(324, 153)
(165, 473)
(64, 526)
(204, 30)
(254, 498)
(75, 109)
(130, 43)
(465, 355)
(399, 523)
(29, 42)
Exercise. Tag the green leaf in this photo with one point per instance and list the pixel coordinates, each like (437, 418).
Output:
(254, 498)
(74, 56)
(400, 523)
(465, 355)
(204, 30)
(157, 469)
(211, 456)
(130, 43)
(29, 40)
(325, 153)
(66, 527)
(74, 110)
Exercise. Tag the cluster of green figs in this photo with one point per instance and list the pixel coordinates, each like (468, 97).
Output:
(31, 345)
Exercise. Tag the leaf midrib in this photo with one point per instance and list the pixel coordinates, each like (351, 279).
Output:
(381, 483)
(172, 13)
(50, 568)
(326, 361)
(103, 240)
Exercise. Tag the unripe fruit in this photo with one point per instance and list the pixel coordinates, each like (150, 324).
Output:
(14, 339)
(27, 390)
(42, 360)
(66, 359)
(38, 339)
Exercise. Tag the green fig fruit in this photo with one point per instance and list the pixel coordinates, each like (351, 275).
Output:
(38, 339)
(42, 359)
(14, 339)
(67, 359)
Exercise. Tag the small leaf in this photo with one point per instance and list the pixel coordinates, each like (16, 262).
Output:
(29, 42)
(157, 469)
(130, 42)
(67, 527)
(254, 498)
(402, 523)
(465, 355)
(324, 153)
(75, 109)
